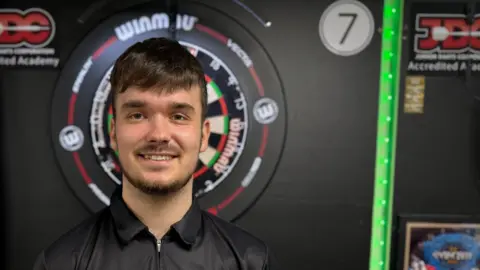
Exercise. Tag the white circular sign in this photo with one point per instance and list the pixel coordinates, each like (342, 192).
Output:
(346, 27)
(265, 110)
(71, 138)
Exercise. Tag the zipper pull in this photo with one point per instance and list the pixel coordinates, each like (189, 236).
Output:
(159, 245)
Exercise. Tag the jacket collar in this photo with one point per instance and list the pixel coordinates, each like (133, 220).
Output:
(128, 225)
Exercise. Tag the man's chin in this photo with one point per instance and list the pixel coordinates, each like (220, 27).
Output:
(158, 187)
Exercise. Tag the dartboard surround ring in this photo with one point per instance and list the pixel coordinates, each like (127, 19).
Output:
(245, 107)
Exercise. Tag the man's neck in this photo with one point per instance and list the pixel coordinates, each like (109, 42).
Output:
(158, 213)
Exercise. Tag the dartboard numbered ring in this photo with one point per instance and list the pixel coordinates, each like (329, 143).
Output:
(245, 107)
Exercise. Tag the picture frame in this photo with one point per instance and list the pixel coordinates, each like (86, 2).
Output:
(436, 242)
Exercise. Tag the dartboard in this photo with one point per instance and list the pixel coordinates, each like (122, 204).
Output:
(245, 107)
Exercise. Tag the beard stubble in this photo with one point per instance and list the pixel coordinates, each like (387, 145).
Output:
(152, 188)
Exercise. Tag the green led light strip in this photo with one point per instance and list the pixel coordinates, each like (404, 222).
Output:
(386, 135)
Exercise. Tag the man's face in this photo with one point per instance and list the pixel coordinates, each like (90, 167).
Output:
(158, 137)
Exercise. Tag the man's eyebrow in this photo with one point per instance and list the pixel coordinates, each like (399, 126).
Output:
(182, 106)
(133, 104)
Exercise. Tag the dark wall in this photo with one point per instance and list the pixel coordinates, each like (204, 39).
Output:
(316, 211)
(437, 162)
(436, 149)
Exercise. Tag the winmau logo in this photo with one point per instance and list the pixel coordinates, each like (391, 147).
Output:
(157, 21)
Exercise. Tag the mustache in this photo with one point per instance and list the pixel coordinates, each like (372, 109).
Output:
(158, 148)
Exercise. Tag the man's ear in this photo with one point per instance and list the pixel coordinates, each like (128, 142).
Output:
(113, 136)
(205, 135)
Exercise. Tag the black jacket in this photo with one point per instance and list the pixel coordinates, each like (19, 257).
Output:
(115, 239)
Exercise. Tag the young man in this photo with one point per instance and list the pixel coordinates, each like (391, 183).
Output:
(153, 220)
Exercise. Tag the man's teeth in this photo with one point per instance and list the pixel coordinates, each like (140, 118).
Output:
(155, 157)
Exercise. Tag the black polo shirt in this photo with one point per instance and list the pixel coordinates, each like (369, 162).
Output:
(115, 239)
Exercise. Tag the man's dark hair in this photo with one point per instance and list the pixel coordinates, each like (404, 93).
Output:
(161, 64)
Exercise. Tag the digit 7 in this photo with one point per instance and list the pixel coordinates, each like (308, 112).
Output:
(352, 21)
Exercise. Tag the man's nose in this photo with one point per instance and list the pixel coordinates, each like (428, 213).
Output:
(159, 129)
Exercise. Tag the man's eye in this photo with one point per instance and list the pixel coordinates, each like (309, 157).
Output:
(179, 117)
(135, 116)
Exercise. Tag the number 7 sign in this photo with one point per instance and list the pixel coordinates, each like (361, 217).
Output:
(346, 27)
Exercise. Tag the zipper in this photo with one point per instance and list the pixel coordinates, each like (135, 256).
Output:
(159, 245)
(159, 248)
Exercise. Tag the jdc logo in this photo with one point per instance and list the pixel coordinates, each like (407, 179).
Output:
(446, 33)
(32, 28)
(71, 138)
(265, 110)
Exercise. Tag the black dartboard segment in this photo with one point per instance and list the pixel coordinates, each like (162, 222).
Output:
(245, 106)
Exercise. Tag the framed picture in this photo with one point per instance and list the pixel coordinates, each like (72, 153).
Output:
(438, 242)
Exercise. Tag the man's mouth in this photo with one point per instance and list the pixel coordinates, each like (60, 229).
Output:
(157, 157)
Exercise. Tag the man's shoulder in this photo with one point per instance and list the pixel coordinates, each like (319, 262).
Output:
(252, 249)
(72, 242)
(236, 234)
